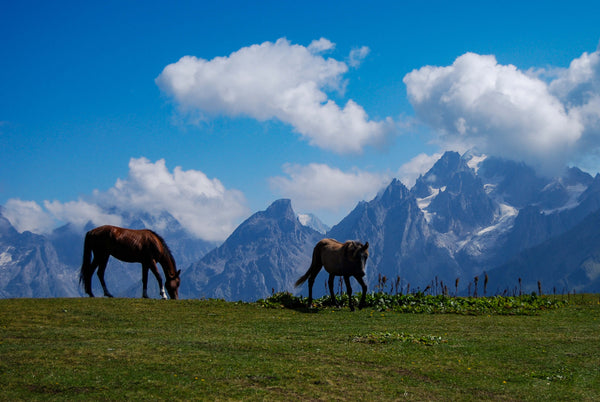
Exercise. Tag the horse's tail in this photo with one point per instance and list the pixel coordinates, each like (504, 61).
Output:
(315, 266)
(84, 273)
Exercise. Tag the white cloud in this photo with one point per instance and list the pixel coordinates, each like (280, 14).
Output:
(321, 45)
(319, 187)
(497, 109)
(358, 55)
(579, 89)
(203, 206)
(417, 166)
(28, 215)
(276, 81)
(580, 82)
(80, 212)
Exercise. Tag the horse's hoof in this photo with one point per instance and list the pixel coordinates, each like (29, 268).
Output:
(109, 295)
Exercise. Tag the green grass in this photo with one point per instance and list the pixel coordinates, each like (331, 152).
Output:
(116, 349)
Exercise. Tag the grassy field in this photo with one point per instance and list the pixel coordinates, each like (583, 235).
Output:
(116, 349)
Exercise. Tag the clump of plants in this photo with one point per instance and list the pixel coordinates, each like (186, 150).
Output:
(282, 300)
(420, 303)
(388, 337)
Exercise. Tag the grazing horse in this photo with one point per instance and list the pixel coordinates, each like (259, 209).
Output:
(128, 245)
(347, 259)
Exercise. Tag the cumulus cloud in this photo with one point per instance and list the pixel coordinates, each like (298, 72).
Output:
(578, 87)
(579, 83)
(319, 187)
(498, 109)
(203, 206)
(80, 212)
(276, 81)
(27, 215)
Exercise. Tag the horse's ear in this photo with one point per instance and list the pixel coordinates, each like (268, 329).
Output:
(177, 275)
(366, 246)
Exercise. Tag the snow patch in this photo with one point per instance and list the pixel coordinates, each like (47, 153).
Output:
(574, 192)
(5, 258)
(423, 203)
(304, 219)
(489, 188)
(311, 221)
(503, 220)
(475, 161)
(479, 242)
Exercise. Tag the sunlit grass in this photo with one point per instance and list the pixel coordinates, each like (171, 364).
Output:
(137, 349)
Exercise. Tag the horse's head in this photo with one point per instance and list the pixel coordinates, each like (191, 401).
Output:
(360, 253)
(172, 285)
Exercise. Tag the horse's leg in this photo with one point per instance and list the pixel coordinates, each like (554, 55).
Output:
(145, 269)
(88, 278)
(311, 282)
(362, 283)
(154, 269)
(349, 292)
(330, 283)
(102, 267)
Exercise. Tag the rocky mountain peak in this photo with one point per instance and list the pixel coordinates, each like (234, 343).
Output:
(394, 192)
(6, 229)
(269, 250)
(280, 209)
(442, 172)
(466, 215)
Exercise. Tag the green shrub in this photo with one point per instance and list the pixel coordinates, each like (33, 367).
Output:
(419, 303)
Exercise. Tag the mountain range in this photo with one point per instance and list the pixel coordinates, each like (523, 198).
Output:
(468, 216)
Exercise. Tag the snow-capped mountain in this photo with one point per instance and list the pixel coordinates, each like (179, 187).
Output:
(313, 222)
(34, 265)
(30, 266)
(467, 215)
(268, 252)
(565, 263)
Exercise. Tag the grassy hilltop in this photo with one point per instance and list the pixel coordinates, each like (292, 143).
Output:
(116, 349)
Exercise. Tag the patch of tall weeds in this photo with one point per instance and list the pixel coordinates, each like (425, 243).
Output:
(419, 303)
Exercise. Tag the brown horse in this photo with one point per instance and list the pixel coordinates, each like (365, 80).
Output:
(347, 259)
(128, 245)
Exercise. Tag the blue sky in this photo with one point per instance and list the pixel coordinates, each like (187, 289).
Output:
(320, 102)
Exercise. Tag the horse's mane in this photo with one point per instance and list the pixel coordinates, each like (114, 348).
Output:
(346, 247)
(350, 247)
(167, 249)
